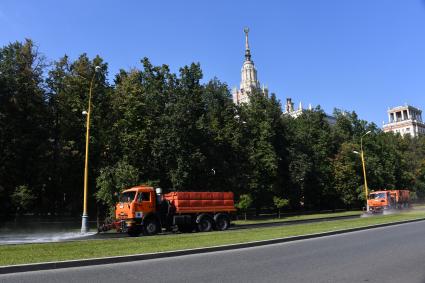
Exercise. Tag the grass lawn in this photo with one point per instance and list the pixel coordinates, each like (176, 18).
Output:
(298, 217)
(30, 253)
(419, 206)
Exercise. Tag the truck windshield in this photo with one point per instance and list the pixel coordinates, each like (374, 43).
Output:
(127, 196)
(377, 196)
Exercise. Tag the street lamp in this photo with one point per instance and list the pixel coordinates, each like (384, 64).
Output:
(85, 217)
(364, 167)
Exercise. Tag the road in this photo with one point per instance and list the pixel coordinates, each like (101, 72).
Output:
(389, 254)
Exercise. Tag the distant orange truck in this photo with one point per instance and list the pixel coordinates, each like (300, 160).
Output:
(143, 209)
(391, 199)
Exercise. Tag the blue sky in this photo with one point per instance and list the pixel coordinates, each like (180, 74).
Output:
(361, 55)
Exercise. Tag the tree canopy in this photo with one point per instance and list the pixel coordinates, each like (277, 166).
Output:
(171, 130)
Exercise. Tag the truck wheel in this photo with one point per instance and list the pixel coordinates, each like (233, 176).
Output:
(205, 224)
(222, 222)
(134, 232)
(150, 227)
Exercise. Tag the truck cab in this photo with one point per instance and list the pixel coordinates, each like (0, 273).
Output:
(379, 200)
(135, 208)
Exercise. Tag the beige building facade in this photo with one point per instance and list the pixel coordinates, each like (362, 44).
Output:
(405, 120)
(290, 109)
(295, 113)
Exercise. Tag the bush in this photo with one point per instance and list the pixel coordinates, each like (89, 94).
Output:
(23, 198)
(280, 203)
(245, 201)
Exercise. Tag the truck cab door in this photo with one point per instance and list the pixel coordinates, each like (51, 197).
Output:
(145, 203)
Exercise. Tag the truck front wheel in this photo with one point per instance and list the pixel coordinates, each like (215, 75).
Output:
(150, 227)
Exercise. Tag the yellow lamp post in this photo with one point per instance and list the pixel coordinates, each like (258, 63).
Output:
(366, 190)
(85, 217)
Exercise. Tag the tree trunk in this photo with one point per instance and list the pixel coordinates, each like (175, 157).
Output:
(245, 215)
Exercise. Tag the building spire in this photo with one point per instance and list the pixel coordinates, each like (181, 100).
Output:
(247, 51)
(249, 83)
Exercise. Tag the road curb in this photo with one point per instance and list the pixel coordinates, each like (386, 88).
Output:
(119, 259)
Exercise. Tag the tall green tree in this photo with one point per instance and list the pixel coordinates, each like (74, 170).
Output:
(261, 119)
(23, 122)
(347, 176)
(311, 155)
(222, 143)
(69, 84)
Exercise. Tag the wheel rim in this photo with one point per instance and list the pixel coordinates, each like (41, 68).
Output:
(221, 223)
(205, 225)
(151, 227)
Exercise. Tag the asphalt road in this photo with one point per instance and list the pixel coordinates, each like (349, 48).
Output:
(390, 254)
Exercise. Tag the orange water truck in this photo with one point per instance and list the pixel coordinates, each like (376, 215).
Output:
(378, 201)
(145, 210)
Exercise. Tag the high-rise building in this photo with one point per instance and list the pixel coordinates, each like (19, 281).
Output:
(405, 120)
(249, 81)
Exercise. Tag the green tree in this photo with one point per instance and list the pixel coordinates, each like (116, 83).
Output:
(280, 203)
(222, 140)
(23, 122)
(260, 136)
(114, 179)
(310, 159)
(415, 159)
(176, 131)
(68, 84)
(347, 172)
(142, 105)
(23, 199)
(244, 203)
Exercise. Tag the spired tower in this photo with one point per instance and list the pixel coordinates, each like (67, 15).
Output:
(249, 81)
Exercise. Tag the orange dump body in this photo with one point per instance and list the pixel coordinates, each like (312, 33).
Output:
(401, 195)
(198, 202)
